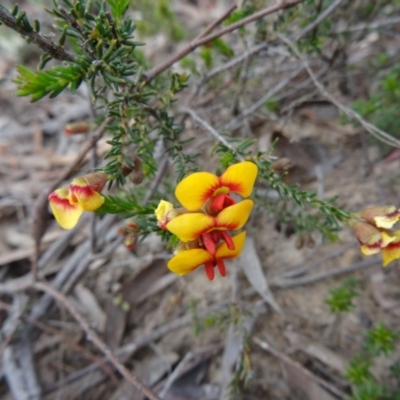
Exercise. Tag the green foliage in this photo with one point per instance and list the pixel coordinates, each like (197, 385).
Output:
(341, 298)
(231, 315)
(240, 14)
(106, 56)
(53, 81)
(358, 370)
(380, 340)
(118, 8)
(329, 218)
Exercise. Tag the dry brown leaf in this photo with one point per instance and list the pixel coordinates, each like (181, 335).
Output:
(92, 308)
(253, 270)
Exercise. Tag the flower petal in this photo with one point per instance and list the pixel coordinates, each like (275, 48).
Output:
(240, 178)
(224, 252)
(190, 226)
(194, 190)
(66, 214)
(234, 217)
(83, 194)
(382, 216)
(369, 250)
(391, 252)
(187, 261)
(163, 209)
(387, 221)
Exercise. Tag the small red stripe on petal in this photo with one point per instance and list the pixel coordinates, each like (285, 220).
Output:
(393, 245)
(81, 190)
(234, 186)
(64, 203)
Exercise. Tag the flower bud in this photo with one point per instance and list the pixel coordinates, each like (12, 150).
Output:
(134, 171)
(282, 164)
(85, 191)
(75, 128)
(96, 180)
(165, 212)
(370, 238)
(130, 232)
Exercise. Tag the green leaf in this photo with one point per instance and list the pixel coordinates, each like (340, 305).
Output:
(118, 8)
(49, 82)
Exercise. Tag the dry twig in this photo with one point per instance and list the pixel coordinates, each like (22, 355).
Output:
(55, 51)
(370, 128)
(92, 335)
(278, 6)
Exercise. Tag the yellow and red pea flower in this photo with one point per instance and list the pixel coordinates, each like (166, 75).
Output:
(210, 214)
(372, 229)
(201, 187)
(391, 252)
(165, 212)
(85, 191)
(68, 203)
(187, 261)
(381, 217)
(65, 213)
(190, 226)
(371, 239)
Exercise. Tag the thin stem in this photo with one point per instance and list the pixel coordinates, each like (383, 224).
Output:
(214, 24)
(207, 126)
(280, 5)
(55, 51)
(372, 129)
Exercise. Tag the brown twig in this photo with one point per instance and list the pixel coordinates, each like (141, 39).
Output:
(143, 340)
(55, 51)
(280, 5)
(66, 339)
(381, 135)
(288, 361)
(92, 335)
(214, 24)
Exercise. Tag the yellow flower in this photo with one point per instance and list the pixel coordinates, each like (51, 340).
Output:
(165, 212)
(201, 187)
(392, 250)
(68, 204)
(381, 217)
(210, 213)
(65, 213)
(372, 240)
(190, 226)
(188, 260)
(84, 191)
